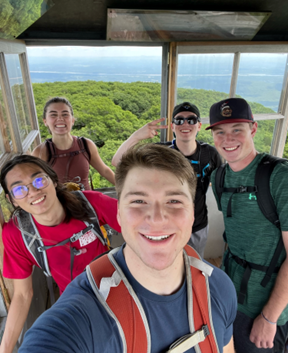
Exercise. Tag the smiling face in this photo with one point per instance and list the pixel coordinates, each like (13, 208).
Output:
(234, 142)
(38, 202)
(186, 132)
(59, 118)
(156, 215)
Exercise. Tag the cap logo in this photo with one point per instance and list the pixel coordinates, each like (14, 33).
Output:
(186, 106)
(226, 111)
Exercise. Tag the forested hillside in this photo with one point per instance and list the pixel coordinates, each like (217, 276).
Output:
(110, 112)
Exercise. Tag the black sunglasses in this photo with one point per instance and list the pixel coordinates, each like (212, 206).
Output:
(191, 120)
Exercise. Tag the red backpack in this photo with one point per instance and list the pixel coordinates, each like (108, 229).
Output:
(119, 299)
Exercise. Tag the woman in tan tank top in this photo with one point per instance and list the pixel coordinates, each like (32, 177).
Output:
(69, 159)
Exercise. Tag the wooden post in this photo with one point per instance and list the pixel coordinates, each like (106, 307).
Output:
(234, 76)
(281, 125)
(172, 86)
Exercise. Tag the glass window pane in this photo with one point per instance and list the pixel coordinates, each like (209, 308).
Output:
(264, 135)
(5, 137)
(204, 79)
(260, 79)
(18, 92)
(113, 91)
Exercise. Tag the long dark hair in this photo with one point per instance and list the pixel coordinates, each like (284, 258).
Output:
(73, 207)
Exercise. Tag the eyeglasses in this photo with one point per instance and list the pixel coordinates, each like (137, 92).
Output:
(20, 191)
(191, 120)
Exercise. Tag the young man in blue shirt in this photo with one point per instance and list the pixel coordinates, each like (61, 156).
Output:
(155, 211)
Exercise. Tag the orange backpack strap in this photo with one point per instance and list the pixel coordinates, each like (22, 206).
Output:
(201, 302)
(119, 299)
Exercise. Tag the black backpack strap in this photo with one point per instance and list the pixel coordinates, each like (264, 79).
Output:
(219, 188)
(219, 182)
(267, 205)
(262, 182)
(51, 152)
(268, 208)
(241, 189)
(249, 266)
(83, 145)
(205, 159)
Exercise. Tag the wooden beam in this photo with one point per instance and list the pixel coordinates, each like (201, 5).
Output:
(232, 47)
(9, 106)
(234, 76)
(4, 130)
(14, 46)
(281, 126)
(164, 89)
(29, 95)
(172, 86)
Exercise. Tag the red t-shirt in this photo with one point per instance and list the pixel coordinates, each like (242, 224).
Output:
(18, 261)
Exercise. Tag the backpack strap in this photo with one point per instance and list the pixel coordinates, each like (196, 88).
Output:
(119, 299)
(94, 226)
(268, 208)
(32, 239)
(220, 188)
(51, 152)
(52, 155)
(249, 266)
(36, 247)
(262, 182)
(83, 145)
(267, 205)
(201, 301)
(205, 159)
(117, 296)
(219, 183)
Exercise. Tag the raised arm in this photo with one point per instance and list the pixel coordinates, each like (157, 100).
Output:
(145, 132)
(18, 311)
(98, 164)
(263, 332)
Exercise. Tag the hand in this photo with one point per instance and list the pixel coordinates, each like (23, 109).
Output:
(149, 130)
(262, 333)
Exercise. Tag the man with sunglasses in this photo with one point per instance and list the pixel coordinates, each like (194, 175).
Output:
(203, 157)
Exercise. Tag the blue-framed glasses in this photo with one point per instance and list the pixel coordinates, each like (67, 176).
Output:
(20, 191)
(191, 120)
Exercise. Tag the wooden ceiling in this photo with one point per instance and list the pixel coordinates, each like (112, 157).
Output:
(87, 19)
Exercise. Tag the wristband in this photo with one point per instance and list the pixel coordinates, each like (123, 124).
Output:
(265, 318)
